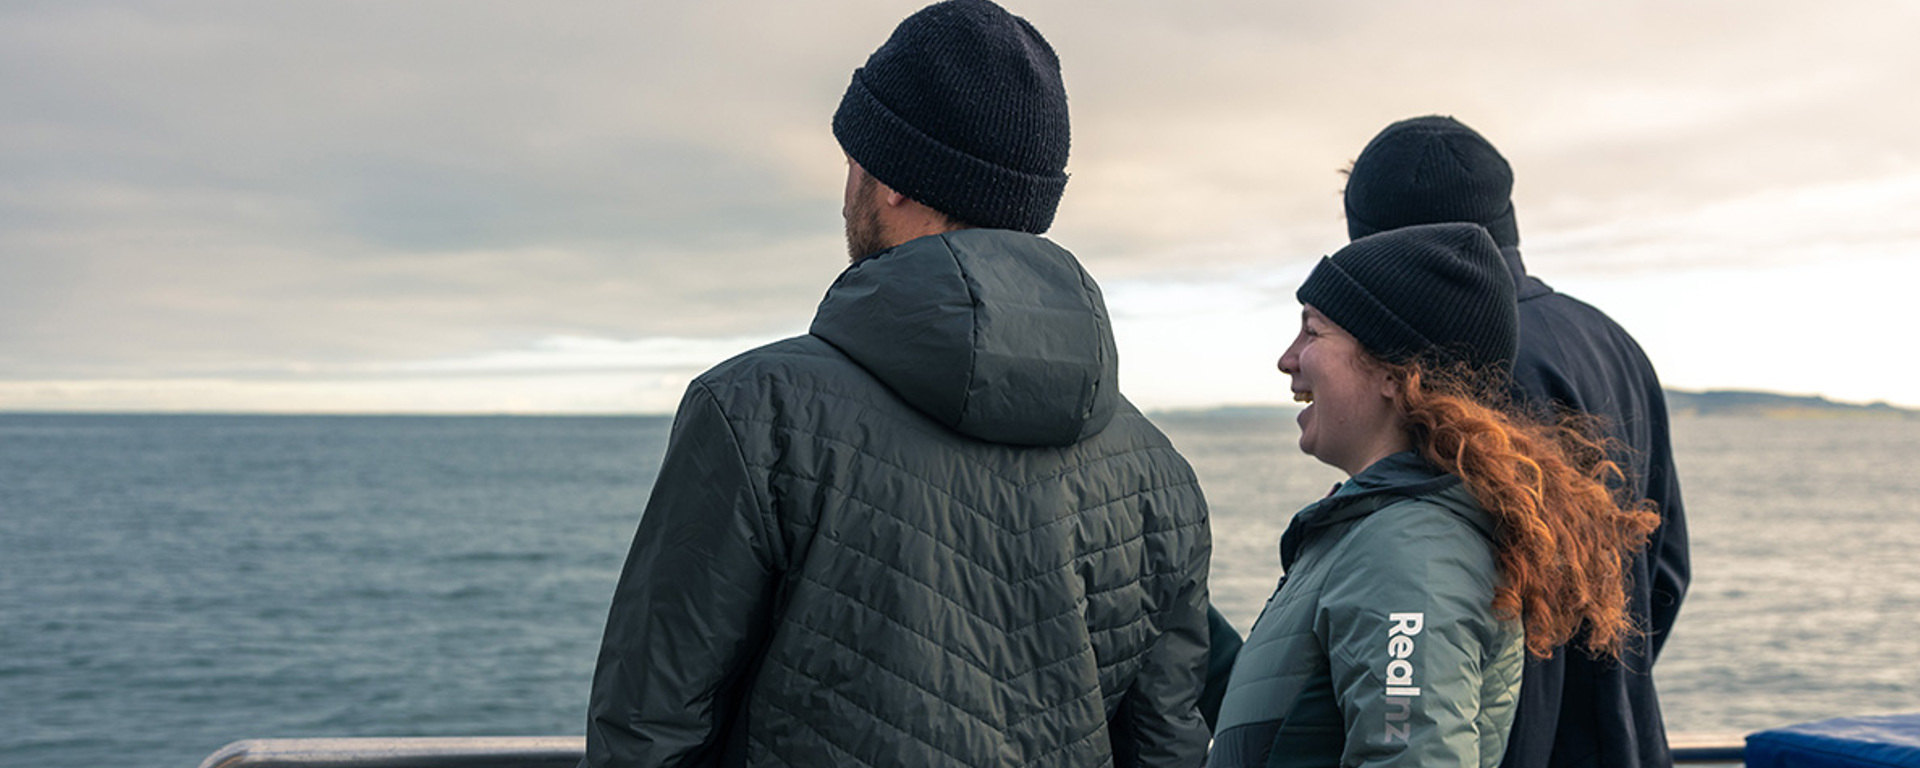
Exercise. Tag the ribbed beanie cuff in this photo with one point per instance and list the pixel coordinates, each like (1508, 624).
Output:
(1346, 301)
(963, 110)
(1436, 293)
(1503, 227)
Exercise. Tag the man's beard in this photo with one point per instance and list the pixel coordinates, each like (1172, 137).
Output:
(864, 232)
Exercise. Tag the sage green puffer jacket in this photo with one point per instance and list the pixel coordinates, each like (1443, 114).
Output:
(1380, 647)
(930, 532)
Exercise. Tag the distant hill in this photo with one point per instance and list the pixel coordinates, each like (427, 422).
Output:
(1724, 402)
(1231, 412)
(1719, 402)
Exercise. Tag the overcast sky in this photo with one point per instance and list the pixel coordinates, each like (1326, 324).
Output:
(566, 207)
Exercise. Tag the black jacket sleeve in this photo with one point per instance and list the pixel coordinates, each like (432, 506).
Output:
(1222, 650)
(1667, 550)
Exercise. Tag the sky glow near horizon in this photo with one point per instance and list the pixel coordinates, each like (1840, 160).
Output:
(443, 207)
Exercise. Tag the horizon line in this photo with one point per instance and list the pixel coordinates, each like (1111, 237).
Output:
(617, 413)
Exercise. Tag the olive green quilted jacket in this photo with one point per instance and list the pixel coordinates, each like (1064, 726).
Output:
(930, 532)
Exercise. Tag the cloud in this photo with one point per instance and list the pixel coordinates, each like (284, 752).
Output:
(217, 190)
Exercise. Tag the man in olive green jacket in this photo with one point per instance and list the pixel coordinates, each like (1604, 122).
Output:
(931, 531)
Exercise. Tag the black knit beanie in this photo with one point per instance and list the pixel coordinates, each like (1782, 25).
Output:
(1427, 170)
(1433, 293)
(963, 110)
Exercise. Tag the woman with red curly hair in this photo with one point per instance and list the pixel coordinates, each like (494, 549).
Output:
(1466, 536)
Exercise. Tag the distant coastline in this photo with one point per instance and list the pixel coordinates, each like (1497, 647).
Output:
(1707, 404)
(1729, 402)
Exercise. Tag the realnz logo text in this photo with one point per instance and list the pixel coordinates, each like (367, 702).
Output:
(1402, 688)
(1400, 635)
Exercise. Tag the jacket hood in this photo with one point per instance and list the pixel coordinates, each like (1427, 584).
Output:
(999, 335)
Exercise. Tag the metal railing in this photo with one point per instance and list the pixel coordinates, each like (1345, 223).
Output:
(565, 752)
(432, 752)
(1708, 748)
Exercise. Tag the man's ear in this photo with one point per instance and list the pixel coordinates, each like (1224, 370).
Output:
(894, 199)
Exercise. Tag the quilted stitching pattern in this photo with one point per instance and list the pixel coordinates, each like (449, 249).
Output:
(978, 605)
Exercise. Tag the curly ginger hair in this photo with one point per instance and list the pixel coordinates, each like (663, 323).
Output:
(1563, 533)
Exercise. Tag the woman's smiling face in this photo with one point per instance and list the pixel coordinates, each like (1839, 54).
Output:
(1350, 421)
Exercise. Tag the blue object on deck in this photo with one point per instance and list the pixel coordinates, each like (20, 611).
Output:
(1843, 742)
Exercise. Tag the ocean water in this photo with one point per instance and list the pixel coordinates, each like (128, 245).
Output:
(1805, 540)
(172, 583)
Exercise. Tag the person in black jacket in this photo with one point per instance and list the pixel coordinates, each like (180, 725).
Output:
(931, 530)
(1575, 710)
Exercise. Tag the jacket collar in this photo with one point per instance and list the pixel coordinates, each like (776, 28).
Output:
(1398, 477)
(1525, 286)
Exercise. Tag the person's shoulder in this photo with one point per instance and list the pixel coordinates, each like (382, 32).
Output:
(1553, 302)
(1557, 331)
(1417, 517)
(1572, 310)
(1414, 547)
(1131, 436)
(1417, 530)
(1135, 428)
(788, 371)
(783, 359)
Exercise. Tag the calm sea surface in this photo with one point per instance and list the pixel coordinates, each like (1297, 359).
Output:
(172, 583)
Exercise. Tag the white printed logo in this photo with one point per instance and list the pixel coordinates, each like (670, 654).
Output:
(1401, 688)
